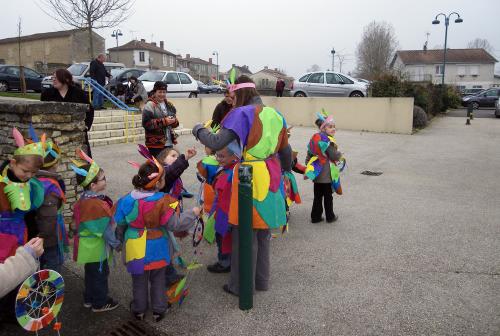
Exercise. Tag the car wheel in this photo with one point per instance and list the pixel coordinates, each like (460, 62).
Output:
(475, 105)
(300, 94)
(356, 94)
(219, 91)
(193, 95)
(4, 87)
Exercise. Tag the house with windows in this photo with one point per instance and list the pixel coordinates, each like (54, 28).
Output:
(465, 68)
(240, 70)
(267, 78)
(198, 68)
(143, 55)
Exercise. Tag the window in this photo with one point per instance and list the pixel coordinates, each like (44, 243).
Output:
(304, 78)
(142, 57)
(172, 61)
(332, 78)
(474, 70)
(461, 70)
(318, 77)
(491, 93)
(477, 86)
(172, 78)
(345, 79)
(30, 73)
(184, 78)
(165, 60)
(152, 76)
(439, 70)
(13, 71)
(264, 82)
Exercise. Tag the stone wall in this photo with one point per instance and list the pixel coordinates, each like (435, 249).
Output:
(62, 122)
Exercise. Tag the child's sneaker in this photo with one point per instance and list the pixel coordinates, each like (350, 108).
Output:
(110, 305)
(139, 316)
(157, 317)
(87, 305)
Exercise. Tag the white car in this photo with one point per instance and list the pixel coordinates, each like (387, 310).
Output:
(328, 84)
(179, 84)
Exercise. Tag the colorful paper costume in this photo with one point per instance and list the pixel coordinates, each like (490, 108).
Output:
(18, 198)
(89, 174)
(262, 133)
(146, 214)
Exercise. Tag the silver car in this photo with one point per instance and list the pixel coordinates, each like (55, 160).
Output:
(328, 84)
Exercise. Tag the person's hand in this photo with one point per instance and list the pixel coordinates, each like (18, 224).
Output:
(35, 245)
(132, 100)
(197, 211)
(190, 152)
(171, 120)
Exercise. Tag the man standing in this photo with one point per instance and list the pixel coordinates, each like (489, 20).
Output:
(280, 87)
(98, 73)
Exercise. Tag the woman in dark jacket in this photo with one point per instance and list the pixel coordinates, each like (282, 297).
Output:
(65, 90)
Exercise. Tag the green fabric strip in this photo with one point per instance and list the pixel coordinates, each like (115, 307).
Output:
(272, 124)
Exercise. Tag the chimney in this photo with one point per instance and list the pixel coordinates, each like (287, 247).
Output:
(425, 46)
(275, 69)
(143, 40)
(210, 60)
(188, 55)
(162, 45)
(153, 44)
(266, 67)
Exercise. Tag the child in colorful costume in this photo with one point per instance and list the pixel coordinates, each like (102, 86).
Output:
(144, 218)
(49, 218)
(94, 233)
(291, 189)
(20, 192)
(261, 133)
(322, 159)
(227, 157)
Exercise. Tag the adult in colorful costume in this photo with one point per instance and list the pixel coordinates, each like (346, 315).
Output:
(144, 218)
(324, 163)
(261, 134)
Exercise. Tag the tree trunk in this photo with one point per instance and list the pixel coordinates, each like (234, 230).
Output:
(91, 43)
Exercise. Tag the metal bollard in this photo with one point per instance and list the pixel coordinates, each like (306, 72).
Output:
(469, 113)
(245, 227)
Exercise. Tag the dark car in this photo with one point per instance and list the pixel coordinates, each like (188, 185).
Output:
(486, 98)
(471, 92)
(10, 78)
(121, 76)
(203, 88)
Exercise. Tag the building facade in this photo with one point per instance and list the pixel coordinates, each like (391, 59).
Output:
(240, 70)
(46, 52)
(198, 68)
(143, 55)
(465, 68)
(267, 78)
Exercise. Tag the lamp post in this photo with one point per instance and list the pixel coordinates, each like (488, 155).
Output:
(446, 24)
(216, 54)
(116, 33)
(333, 59)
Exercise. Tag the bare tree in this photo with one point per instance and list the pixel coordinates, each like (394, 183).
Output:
(314, 68)
(89, 14)
(22, 79)
(479, 43)
(374, 52)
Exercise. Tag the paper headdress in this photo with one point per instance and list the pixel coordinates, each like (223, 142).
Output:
(53, 149)
(89, 174)
(34, 146)
(233, 87)
(325, 118)
(154, 177)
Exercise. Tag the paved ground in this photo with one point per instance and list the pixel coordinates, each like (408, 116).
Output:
(479, 113)
(415, 250)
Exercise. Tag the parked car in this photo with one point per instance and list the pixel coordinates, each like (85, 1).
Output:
(471, 92)
(81, 70)
(121, 76)
(203, 88)
(327, 84)
(486, 98)
(497, 108)
(180, 84)
(216, 88)
(10, 78)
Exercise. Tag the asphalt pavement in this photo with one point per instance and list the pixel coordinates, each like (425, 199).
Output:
(485, 112)
(415, 250)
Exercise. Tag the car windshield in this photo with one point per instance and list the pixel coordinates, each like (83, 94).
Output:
(116, 72)
(77, 69)
(152, 76)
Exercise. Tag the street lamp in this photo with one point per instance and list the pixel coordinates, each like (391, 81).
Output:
(115, 34)
(216, 53)
(446, 24)
(333, 59)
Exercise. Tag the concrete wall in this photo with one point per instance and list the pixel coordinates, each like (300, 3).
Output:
(387, 115)
(62, 122)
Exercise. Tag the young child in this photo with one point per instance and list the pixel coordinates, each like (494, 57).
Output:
(227, 157)
(94, 233)
(143, 217)
(322, 156)
(48, 218)
(20, 192)
(291, 190)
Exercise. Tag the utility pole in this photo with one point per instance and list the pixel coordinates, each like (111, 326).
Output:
(21, 68)
(333, 59)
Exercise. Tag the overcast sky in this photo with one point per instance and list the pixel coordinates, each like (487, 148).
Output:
(291, 35)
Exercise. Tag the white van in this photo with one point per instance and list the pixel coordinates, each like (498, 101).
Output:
(179, 84)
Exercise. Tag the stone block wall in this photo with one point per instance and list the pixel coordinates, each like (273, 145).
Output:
(62, 122)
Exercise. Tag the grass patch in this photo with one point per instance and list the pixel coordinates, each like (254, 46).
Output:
(29, 95)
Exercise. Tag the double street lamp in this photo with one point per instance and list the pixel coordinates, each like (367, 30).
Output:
(446, 24)
(116, 34)
(216, 54)
(333, 59)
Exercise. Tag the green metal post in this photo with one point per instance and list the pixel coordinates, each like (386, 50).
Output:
(245, 205)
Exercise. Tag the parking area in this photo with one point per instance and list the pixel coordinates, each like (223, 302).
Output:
(479, 113)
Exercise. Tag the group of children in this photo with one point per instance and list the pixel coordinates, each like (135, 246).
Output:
(142, 224)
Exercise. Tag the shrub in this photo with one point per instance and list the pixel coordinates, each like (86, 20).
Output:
(387, 85)
(419, 117)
